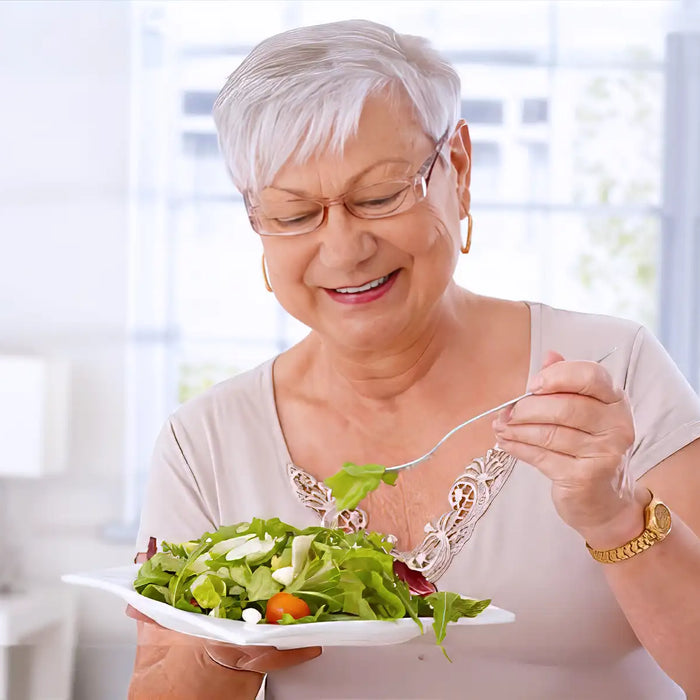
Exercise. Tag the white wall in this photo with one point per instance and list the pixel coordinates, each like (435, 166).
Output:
(64, 108)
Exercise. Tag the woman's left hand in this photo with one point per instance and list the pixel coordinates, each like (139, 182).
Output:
(577, 431)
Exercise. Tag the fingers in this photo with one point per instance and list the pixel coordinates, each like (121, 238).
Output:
(259, 659)
(556, 438)
(543, 430)
(582, 413)
(570, 394)
(574, 402)
(551, 464)
(574, 377)
(576, 430)
(151, 633)
(276, 659)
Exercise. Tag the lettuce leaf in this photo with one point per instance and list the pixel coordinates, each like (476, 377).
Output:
(262, 586)
(160, 593)
(353, 482)
(208, 590)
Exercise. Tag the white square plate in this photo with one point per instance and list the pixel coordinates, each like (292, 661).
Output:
(119, 580)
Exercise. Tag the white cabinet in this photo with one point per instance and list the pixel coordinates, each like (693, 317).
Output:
(34, 411)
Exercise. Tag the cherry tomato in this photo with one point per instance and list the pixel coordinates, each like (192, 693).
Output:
(282, 603)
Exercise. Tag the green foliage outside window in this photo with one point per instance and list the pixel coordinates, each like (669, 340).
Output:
(194, 378)
(621, 254)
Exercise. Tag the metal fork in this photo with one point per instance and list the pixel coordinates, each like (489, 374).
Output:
(429, 454)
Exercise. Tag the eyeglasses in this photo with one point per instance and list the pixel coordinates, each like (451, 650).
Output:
(378, 201)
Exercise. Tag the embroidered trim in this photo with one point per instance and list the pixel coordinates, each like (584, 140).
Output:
(317, 496)
(469, 497)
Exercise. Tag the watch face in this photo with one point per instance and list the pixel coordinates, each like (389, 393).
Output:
(662, 516)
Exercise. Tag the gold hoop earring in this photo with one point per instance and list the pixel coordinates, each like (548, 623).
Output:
(465, 248)
(265, 277)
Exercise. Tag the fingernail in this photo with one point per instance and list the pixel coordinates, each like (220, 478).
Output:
(535, 384)
(507, 414)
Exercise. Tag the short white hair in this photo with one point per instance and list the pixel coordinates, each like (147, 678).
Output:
(302, 91)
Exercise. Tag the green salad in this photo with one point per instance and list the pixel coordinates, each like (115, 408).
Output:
(270, 572)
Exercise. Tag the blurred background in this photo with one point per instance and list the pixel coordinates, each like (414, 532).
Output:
(130, 279)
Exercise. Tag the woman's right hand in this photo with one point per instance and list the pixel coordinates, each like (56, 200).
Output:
(259, 659)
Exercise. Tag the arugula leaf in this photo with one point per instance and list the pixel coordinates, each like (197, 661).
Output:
(410, 602)
(449, 607)
(353, 482)
(193, 557)
(178, 550)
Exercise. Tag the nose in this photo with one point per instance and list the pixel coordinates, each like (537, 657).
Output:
(346, 240)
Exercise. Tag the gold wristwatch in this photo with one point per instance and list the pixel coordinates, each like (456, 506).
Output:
(657, 524)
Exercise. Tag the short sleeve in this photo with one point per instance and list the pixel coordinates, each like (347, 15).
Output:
(666, 410)
(174, 508)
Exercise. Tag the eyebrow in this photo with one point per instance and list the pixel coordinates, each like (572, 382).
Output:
(351, 181)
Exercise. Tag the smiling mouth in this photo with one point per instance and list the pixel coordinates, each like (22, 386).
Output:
(365, 287)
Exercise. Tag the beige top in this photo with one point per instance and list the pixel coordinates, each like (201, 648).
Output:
(222, 458)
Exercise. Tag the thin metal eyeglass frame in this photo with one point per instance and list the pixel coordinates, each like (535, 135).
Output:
(422, 176)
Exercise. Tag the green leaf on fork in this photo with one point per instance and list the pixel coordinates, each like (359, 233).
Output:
(354, 481)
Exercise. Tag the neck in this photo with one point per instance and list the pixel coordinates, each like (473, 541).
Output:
(386, 373)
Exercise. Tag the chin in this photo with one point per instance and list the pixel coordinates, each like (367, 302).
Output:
(363, 335)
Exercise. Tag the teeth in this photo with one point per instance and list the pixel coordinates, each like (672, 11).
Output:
(364, 287)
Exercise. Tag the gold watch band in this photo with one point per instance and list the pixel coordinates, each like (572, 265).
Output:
(635, 546)
(657, 525)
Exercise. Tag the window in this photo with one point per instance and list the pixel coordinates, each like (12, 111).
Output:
(482, 111)
(564, 102)
(535, 110)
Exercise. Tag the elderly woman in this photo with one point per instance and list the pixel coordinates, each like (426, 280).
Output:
(344, 140)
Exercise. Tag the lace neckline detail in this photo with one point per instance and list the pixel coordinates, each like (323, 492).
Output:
(469, 498)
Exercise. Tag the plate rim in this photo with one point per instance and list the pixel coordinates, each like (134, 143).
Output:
(263, 635)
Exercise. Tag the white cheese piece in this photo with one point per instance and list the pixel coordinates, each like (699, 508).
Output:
(254, 546)
(232, 543)
(284, 575)
(251, 616)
